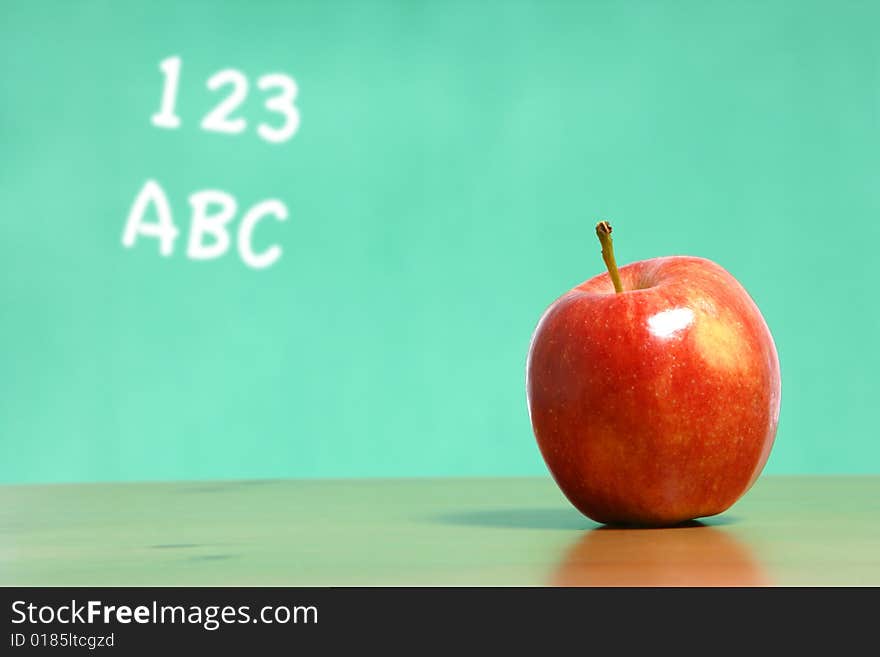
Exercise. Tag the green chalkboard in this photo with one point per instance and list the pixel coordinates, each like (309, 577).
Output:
(313, 238)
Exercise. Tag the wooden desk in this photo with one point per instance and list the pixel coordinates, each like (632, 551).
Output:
(785, 531)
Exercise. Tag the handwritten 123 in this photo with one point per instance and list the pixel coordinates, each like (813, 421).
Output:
(212, 210)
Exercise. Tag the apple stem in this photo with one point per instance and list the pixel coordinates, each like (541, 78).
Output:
(603, 232)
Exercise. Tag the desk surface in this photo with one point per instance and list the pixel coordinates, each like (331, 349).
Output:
(785, 531)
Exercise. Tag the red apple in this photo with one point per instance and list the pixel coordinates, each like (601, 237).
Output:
(659, 403)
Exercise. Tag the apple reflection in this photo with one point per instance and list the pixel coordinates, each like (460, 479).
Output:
(688, 555)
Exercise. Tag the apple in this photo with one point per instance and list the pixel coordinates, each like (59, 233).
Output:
(654, 390)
